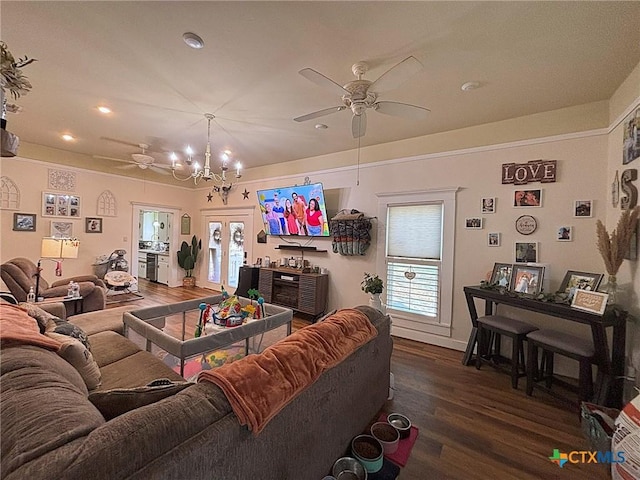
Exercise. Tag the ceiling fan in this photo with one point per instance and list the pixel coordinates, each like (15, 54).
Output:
(360, 95)
(140, 160)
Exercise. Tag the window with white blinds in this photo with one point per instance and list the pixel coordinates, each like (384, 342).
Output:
(413, 257)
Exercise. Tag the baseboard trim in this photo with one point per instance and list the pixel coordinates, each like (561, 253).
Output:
(429, 338)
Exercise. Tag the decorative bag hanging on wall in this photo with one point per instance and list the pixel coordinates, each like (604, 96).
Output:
(350, 230)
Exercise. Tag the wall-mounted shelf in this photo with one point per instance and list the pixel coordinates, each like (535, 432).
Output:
(299, 248)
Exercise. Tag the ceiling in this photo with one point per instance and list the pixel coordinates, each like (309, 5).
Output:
(528, 57)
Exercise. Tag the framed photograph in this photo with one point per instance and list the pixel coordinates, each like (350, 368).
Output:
(526, 279)
(631, 137)
(473, 223)
(488, 205)
(526, 252)
(93, 225)
(61, 229)
(565, 233)
(583, 208)
(24, 222)
(60, 205)
(185, 225)
(501, 274)
(574, 280)
(527, 198)
(493, 239)
(594, 302)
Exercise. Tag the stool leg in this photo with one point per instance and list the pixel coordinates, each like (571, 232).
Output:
(523, 364)
(481, 342)
(585, 381)
(532, 366)
(515, 356)
(548, 367)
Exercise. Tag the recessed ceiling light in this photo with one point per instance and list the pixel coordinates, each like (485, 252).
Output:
(68, 138)
(467, 87)
(321, 126)
(193, 40)
(103, 109)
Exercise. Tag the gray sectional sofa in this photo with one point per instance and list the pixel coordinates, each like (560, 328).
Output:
(50, 429)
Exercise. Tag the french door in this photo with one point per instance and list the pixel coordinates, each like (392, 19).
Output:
(224, 247)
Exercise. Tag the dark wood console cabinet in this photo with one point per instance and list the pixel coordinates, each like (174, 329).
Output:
(289, 287)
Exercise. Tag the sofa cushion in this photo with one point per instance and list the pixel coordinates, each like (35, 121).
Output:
(109, 347)
(102, 320)
(74, 352)
(136, 370)
(44, 407)
(112, 403)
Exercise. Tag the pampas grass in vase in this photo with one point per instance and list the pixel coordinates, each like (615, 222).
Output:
(613, 246)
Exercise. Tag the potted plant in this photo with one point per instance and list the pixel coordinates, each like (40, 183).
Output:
(187, 257)
(372, 284)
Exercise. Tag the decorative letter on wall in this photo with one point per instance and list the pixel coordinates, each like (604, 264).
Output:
(543, 171)
(630, 199)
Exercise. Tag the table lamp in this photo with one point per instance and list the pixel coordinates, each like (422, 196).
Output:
(58, 249)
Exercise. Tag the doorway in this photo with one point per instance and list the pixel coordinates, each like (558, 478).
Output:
(224, 247)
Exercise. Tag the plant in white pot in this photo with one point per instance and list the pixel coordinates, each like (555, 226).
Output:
(372, 284)
(187, 257)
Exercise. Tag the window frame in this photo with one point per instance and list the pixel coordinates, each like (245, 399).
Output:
(406, 324)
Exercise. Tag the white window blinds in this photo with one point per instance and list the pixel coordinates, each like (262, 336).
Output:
(415, 231)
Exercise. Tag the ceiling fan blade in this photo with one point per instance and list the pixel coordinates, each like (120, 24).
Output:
(156, 169)
(131, 166)
(319, 113)
(112, 158)
(396, 75)
(405, 110)
(322, 81)
(359, 125)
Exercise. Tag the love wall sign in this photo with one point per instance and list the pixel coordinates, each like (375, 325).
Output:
(534, 171)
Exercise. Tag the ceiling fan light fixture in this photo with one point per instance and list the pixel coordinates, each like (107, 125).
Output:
(467, 87)
(193, 40)
(321, 126)
(104, 109)
(67, 137)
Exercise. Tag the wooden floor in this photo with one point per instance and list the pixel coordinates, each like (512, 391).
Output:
(472, 424)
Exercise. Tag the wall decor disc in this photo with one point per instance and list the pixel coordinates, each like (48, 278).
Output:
(526, 224)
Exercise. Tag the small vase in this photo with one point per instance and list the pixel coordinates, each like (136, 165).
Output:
(374, 301)
(611, 288)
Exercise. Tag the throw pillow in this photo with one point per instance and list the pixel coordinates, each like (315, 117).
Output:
(41, 316)
(74, 352)
(112, 403)
(57, 325)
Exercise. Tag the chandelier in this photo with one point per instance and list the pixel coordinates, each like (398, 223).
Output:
(205, 172)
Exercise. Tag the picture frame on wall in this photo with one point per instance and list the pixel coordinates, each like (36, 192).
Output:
(61, 229)
(574, 280)
(61, 205)
(474, 223)
(583, 208)
(526, 252)
(185, 225)
(488, 205)
(93, 225)
(24, 222)
(526, 279)
(565, 233)
(493, 239)
(501, 274)
(593, 302)
(527, 198)
(631, 137)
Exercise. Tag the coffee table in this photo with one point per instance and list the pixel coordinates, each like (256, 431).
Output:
(158, 326)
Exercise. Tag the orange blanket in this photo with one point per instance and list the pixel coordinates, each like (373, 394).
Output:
(18, 327)
(259, 386)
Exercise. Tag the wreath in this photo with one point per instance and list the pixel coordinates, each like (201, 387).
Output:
(217, 235)
(238, 237)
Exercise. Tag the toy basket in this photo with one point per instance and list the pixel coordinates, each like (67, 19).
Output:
(594, 427)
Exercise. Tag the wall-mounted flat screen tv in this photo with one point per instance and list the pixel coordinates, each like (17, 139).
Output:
(294, 211)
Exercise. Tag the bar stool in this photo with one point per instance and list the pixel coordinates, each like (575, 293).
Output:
(551, 342)
(489, 348)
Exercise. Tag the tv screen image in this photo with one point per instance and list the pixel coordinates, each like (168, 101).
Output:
(294, 211)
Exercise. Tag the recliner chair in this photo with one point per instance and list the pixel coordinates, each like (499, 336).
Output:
(19, 275)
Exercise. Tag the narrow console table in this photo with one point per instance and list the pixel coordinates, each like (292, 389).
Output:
(609, 381)
(289, 287)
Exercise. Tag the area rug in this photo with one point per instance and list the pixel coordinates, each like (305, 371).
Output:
(123, 297)
(401, 456)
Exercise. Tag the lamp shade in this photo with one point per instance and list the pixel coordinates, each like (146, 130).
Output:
(59, 248)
